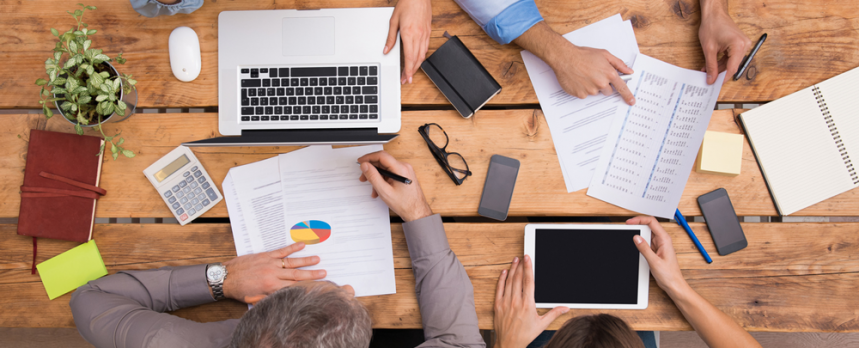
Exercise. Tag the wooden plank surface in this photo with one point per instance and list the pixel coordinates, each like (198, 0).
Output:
(791, 277)
(521, 134)
(809, 41)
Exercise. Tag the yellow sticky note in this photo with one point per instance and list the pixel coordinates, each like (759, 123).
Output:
(720, 153)
(71, 269)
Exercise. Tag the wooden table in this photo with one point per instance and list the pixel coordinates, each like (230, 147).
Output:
(792, 277)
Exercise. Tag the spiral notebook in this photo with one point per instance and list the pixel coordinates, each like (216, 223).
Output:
(806, 142)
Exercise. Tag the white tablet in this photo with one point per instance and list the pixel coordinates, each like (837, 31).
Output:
(588, 266)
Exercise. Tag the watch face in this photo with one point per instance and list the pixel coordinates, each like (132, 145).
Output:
(215, 273)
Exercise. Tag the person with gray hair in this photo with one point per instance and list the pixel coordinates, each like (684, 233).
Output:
(291, 307)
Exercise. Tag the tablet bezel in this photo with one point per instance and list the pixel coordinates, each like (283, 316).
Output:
(643, 266)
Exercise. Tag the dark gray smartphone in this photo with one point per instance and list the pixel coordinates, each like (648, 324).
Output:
(722, 221)
(498, 188)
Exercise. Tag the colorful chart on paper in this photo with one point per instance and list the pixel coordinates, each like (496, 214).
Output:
(310, 232)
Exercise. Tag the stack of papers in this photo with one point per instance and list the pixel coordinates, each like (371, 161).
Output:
(313, 195)
(636, 157)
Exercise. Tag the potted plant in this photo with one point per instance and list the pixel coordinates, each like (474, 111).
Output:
(86, 89)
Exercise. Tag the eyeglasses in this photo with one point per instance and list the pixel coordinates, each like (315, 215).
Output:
(452, 163)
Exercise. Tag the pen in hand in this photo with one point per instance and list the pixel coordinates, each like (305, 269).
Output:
(393, 176)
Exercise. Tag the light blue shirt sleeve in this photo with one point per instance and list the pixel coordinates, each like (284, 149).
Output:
(503, 20)
(153, 8)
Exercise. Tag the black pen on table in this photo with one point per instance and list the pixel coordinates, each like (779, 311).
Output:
(388, 174)
(749, 57)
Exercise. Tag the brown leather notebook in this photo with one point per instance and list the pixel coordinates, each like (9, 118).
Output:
(60, 186)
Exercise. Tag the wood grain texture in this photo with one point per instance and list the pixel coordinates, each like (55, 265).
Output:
(809, 41)
(521, 134)
(792, 276)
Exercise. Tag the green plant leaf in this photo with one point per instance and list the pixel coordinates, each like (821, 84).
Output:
(128, 153)
(121, 105)
(85, 99)
(78, 13)
(101, 56)
(116, 84)
(90, 7)
(100, 149)
(87, 43)
(59, 90)
(105, 88)
(59, 81)
(74, 107)
(55, 32)
(115, 155)
(71, 84)
(101, 97)
(119, 112)
(69, 63)
(48, 112)
(79, 129)
(113, 148)
(74, 45)
(81, 119)
(91, 32)
(121, 140)
(90, 70)
(80, 89)
(41, 82)
(109, 109)
(97, 80)
(104, 74)
(65, 106)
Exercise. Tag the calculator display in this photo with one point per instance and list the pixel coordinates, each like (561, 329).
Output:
(171, 168)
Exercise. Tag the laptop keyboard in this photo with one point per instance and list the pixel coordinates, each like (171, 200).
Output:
(307, 94)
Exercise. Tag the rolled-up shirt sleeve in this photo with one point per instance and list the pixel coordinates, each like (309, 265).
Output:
(126, 310)
(503, 20)
(153, 8)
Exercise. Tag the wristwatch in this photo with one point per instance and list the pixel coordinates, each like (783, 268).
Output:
(215, 275)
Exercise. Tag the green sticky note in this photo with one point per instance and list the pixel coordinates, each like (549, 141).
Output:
(71, 269)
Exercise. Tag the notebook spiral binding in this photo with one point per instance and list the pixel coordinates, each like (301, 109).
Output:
(833, 129)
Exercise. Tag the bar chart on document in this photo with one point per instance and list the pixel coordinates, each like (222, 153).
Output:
(654, 143)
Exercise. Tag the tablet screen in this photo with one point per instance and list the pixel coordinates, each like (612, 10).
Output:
(586, 266)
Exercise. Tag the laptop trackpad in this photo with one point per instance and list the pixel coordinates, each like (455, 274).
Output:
(308, 36)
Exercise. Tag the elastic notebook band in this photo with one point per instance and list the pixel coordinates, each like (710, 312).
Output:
(84, 186)
(54, 192)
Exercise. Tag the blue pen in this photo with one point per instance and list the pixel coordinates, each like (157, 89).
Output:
(682, 222)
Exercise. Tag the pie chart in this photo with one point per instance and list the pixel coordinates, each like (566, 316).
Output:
(310, 232)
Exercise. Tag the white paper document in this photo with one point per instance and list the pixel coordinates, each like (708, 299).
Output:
(652, 145)
(315, 192)
(579, 126)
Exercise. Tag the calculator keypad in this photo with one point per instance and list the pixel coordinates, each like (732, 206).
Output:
(191, 196)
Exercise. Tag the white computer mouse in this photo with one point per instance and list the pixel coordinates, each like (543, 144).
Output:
(185, 54)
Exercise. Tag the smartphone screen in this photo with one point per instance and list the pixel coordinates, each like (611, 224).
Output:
(498, 188)
(722, 221)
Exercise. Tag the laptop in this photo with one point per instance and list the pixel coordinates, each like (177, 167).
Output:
(306, 77)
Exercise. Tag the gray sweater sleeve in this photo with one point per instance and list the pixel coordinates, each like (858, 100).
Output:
(153, 8)
(126, 310)
(444, 291)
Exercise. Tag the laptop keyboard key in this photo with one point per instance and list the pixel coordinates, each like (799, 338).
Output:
(293, 82)
(275, 82)
(293, 118)
(259, 110)
(370, 90)
(373, 70)
(362, 71)
(353, 117)
(307, 72)
(254, 118)
(353, 71)
(305, 109)
(266, 82)
(303, 82)
(371, 99)
(272, 72)
(343, 71)
(254, 73)
(251, 83)
(374, 116)
(281, 91)
(314, 82)
(246, 118)
(373, 108)
(356, 90)
(372, 80)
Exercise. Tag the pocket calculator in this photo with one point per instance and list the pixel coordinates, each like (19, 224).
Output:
(183, 184)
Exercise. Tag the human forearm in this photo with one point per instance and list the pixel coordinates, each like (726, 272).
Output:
(715, 327)
(713, 7)
(543, 42)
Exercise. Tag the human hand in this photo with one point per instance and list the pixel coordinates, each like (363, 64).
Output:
(413, 19)
(407, 201)
(251, 278)
(719, 34)
(517, 323)
(660, 255)
(584, 71)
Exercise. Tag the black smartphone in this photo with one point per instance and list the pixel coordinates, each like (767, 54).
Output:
(722, 221)
(498, 188)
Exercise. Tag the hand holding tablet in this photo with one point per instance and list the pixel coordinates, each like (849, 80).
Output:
(660, 255)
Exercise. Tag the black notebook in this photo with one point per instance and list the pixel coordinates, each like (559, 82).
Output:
(460, 77)
(806, 141)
